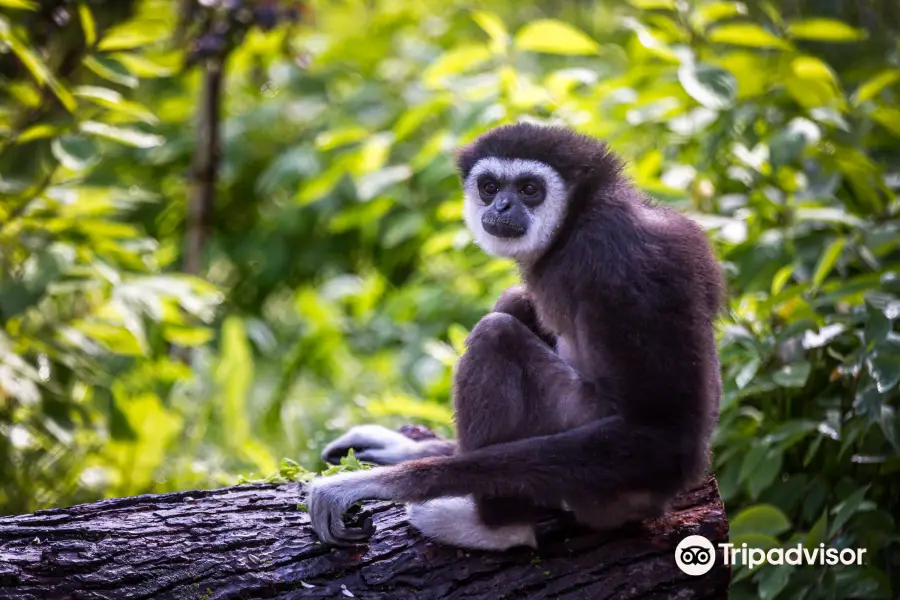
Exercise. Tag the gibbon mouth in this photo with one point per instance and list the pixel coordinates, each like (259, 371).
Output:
(502, 227)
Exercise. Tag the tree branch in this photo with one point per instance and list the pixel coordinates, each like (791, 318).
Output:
(253, 542)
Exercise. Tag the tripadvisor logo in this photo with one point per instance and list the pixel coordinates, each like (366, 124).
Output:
(696, 555)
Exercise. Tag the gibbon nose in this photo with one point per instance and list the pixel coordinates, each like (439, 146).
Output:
(504, 201)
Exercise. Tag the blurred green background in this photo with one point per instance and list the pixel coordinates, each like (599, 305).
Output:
(335, 281)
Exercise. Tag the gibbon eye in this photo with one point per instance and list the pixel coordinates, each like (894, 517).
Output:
(530, 189)
(489, 188)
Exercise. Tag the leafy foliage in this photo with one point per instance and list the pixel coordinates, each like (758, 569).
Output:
(340, 279)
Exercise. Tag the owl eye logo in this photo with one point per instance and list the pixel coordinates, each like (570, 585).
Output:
(695, 555)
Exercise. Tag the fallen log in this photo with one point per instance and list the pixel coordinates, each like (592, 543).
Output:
(252, 541)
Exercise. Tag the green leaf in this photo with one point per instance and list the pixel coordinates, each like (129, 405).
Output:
(134, 34)
(141, 66)
(793, 375)
(790, 432)
(823, 336)
(877, 326)
(350, 462)
(761, 519)
(411, 121)
(115, 339)
(873, 86)
(131, 314)
(810, 67)
(889, 118)
(747, 372)
(812, 450)
(455, 62)
(20, 4)
(187, 337)
(813, 83)
(235, 375)
(129, 137)
(103, 229)
(111, 70)
(373, 184)
(890, 427)
(457, 335)
(869, 404)
(772, 581)
(821, 214)
(119, 426)
(787, 146)
(766, 473)
(554, 37)
(321, 185)
(36, 66)
(771, 11)
(811, 93)
(374, 153)
(752, 460)
(39, 132)
(824, 30)
(74, 152)
(884, 366)
(717, 11)
(887, 304)
(833, 117)
(494, 27)
(401, 228)
(335, 138)
(828, 260)
(651, 40)
(653, 4)
(114, 101)
(865, 582)
(88, 27)
(747, 34)
(818, 534)
(713, 87)
(846, 509)
(781, 278)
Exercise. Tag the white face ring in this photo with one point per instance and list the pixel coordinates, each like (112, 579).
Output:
(546, 218)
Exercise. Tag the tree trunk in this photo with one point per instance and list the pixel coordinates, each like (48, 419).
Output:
(205, 169)
(252, 542)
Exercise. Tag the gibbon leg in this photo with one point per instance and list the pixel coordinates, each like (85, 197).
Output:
(517, 301)
(509, 385)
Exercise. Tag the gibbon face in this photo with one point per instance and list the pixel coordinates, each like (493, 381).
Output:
(514, 206)
(520, 180)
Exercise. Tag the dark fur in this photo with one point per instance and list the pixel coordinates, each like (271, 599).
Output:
(628, 293)
(575, 156)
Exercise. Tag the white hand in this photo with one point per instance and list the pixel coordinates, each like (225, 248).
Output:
(371, 443)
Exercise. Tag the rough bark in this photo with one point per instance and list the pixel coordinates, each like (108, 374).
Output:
(252, 542)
